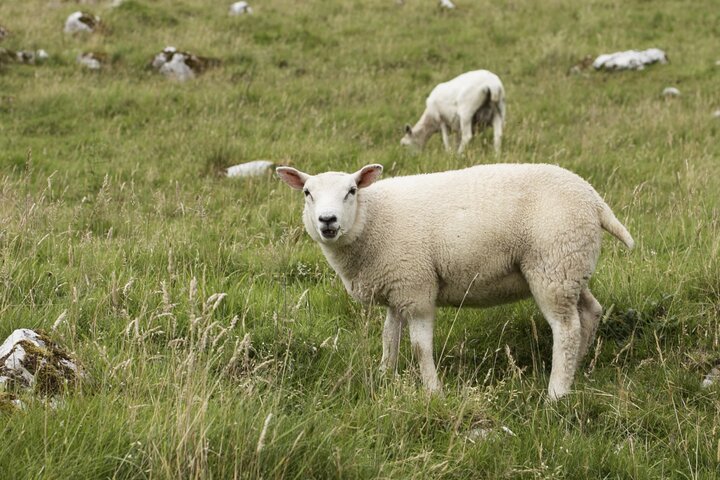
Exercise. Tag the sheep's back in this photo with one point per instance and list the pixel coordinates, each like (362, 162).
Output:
(478, 224)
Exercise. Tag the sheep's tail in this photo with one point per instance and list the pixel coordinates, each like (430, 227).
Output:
(496, 94)
(612, 225)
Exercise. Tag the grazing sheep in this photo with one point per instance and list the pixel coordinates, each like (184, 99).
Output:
(482, 236)
(467, 104)
(240, 8)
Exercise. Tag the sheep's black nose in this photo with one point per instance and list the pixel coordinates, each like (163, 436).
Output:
(328, 218)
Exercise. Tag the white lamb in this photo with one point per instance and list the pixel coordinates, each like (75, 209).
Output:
(482, 236)
(467, 104)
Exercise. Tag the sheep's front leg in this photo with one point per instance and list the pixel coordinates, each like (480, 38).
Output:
(465, 133)
(421, 340)
(391, 341)
(445, 131)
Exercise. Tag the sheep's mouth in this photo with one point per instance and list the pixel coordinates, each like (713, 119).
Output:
(329, 233)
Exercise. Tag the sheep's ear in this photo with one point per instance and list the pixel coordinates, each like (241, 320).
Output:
(367, 175)
(408, 129)
(295, 178)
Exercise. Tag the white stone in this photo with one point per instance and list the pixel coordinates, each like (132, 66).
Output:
(477, 434)
(716, 114)
(81, 22)
(671, 92)
(711, 378)
(163, 57)
(250, 169)
(42, 55)
(447, 4)
(630, 59)
(18, 336)
(89, 60)
(25, 56)
(13, 355)
(177, 69)
(240, 8)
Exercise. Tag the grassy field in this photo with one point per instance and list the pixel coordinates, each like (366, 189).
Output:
(113, 212)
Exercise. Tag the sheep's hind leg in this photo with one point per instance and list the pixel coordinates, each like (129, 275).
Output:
(392, 332)
(558, 302)
(445, 131)
(590, 312)
(421, 340)
(497, 126)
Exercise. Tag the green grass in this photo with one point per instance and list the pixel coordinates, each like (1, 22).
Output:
(111, 210)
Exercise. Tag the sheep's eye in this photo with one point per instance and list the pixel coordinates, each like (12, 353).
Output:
(350, 192)
(306, 192)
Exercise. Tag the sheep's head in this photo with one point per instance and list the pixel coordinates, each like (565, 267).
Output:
(331, 199)
(412, 140)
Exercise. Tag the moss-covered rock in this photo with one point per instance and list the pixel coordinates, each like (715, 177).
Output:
(32, 360)
(9, 403)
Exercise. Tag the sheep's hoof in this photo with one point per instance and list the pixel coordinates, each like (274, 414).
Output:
(434, 390)
(555, 394)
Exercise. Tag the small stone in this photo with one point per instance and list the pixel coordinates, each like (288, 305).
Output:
(486, 433)
(716, 114)
(28, 57)
(447, 4)
(9, 403)
(585, 63)
(177, 68)
(671, 92)
(477, 434)
(92, 60)
(163, 57)
(25, 56)
(711, 378)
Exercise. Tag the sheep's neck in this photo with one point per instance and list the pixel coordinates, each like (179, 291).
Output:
(425, 127)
